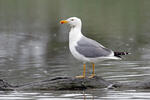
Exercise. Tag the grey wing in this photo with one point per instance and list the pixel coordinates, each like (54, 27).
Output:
(92, 49)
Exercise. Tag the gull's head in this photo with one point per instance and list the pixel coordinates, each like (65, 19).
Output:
(72, 21)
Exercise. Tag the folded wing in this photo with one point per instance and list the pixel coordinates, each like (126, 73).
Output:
(92, 49)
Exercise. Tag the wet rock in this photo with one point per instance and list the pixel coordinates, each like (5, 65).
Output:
(4, 86)
(67, 83)
(72, 83)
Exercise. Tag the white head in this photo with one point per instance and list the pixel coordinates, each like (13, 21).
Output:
(73, 22)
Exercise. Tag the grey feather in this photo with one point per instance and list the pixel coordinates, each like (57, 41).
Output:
(92, 49)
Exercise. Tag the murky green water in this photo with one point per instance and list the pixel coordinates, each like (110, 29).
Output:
(34, 46)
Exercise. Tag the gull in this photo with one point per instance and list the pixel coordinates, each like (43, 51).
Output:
(85, 49)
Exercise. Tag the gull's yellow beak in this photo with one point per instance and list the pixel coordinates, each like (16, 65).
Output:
(63, 21)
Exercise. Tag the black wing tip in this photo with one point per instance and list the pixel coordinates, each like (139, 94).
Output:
(119, 54)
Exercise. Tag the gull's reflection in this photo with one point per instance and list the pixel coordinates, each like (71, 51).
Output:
(87, 96)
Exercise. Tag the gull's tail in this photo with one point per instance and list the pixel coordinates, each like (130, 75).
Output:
(119, 54)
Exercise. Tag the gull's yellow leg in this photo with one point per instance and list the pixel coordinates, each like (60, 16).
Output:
(93, 73)
(82, 76)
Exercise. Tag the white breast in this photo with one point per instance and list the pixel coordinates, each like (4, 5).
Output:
(74, 36)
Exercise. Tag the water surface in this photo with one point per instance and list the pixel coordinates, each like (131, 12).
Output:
(34, 46)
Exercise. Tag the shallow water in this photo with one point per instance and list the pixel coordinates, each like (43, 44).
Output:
(34, 46)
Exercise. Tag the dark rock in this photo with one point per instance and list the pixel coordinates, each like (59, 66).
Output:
(4, 86)
(67, 83)
(72, 83)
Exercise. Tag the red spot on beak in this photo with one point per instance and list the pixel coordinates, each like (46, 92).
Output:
(63, 22)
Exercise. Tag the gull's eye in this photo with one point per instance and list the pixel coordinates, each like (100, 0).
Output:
(72, 19)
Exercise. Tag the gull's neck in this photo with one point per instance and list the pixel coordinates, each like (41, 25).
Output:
(75, 34)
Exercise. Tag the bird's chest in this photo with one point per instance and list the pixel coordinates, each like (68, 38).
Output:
(74, 37)
(77, 55)
(74, 52)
